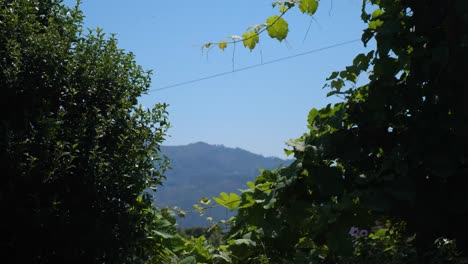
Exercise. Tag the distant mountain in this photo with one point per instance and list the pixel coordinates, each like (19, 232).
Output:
(203, 170)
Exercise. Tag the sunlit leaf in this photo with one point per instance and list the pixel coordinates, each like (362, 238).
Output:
(377, 13)
(308, 6)
(222, 45)
(375, 24)
(277, 27)
(230, 201)
(250, 39)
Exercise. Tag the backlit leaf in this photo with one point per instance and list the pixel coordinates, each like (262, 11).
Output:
(308, 6)
(230, 201)
(222, 45)
(277, 27)
(250, 39)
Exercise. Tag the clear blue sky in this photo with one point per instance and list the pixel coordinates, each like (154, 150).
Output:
(257, 109)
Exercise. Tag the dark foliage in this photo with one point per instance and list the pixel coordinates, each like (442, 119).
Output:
(75, 150)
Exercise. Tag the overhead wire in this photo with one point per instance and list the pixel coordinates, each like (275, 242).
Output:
(253, 66)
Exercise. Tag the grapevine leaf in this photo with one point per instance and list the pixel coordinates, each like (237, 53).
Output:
(163, 234)
(375, 24)
(230, 201)
(223, 256)
(297, 145)
(312, 115)
(277, 27)
(377, 13)
(333, 75)
(250, 39)
(244, 241)
(308, 6)
(222, 45)
(337, 84)
(250, 201)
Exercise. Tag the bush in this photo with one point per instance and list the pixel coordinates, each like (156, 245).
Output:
(76, 152)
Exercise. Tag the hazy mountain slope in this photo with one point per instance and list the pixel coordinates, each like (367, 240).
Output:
(203, 170)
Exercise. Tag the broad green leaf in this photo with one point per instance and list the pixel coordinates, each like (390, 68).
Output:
(350, 76)
(222, 45)
(375, 24)
(244, 241)
(313, 113)
(230, 201)
(297, 145)
(250, 39)
(250, 201)
(308, 6)
(270, 203)
(163, 235)
(223, 255)
(333, 76)
(277, 27)
(337, 84)
(377, 13)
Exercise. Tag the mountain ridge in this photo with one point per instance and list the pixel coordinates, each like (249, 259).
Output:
(203, 170)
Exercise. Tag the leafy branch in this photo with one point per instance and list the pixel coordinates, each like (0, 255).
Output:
(275, 25)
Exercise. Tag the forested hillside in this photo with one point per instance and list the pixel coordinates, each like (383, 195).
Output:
(202, 170)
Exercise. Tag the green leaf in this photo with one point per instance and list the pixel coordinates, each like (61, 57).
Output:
(297, 145)
(333, 76)
(250, 39)
(337, 84)
(244, 241)
(250, 201)
(377, 13)
(162, 234)
(223, 255)
(277, 27)
(308, 6)
(230, 201)
(312, 115)
(222, 45)
(375, 24)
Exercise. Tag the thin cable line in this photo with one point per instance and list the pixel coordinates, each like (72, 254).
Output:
(254, 66)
